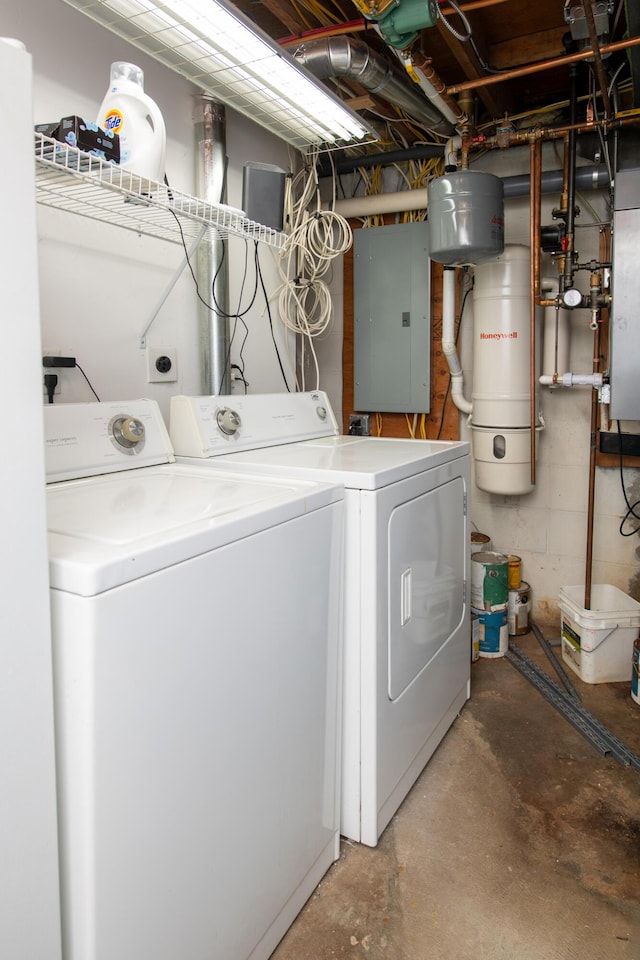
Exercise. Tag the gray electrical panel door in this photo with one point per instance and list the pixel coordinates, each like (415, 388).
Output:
(624, 328)
(392, 326)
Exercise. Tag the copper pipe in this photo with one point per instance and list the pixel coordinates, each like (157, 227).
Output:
(554, 133)
(604, 253)
(566, 279)
(541, 66)
(592, 473)
(424, 65)
(337, 30)
(358, 26)
(535, 157)
(473, 5)
(597, 58)
(565, 175)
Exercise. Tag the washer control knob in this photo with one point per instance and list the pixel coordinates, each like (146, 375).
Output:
(229, 421)
(128, 432)
(322, 412)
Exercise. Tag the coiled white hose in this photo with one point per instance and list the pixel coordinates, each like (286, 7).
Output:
(315, 240)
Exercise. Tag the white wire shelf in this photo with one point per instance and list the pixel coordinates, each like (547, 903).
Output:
(72, 180)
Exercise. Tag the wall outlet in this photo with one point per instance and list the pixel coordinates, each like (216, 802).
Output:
(162, 364)
(53, 352)
(359, 424)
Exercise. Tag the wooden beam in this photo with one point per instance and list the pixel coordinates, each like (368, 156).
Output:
(285, 13)
(497, 105)
(535, 46)
(365, 102)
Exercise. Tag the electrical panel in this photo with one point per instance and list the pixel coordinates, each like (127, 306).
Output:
(392, 319)
(624, 331)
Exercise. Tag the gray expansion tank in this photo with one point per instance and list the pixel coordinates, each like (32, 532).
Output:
(466, 217)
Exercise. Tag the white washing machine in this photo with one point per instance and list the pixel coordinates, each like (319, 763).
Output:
(197, 653)
(407, 618)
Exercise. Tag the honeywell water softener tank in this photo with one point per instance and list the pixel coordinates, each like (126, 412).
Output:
(501, 409)
(465, 217)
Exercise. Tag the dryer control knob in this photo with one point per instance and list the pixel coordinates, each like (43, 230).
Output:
(229, 421)
(322, 412)
(128, 432)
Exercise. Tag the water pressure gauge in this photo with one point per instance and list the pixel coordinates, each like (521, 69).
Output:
(572, 298)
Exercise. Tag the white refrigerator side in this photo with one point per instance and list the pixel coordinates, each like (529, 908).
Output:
(29, 888)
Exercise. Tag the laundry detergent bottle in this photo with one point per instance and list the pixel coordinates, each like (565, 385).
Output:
(136, 118)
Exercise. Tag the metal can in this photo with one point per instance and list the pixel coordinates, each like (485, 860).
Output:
(493, 633)
(515, 571)
(489, 581)
(480, 541)
(475, 637)
(518, 610)
(635, 680)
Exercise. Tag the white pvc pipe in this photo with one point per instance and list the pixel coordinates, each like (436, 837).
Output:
(449, 340)
(573, 380)
(383, 203)
(451, 149)
(417, 199)
(556, 336)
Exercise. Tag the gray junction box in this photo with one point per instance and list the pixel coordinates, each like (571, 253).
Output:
(263, 194)
(624, 322)
(392, 319)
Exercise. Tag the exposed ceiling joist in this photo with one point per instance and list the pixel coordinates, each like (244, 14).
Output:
(496, 102)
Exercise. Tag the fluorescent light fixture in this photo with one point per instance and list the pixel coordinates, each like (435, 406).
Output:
(216, 47)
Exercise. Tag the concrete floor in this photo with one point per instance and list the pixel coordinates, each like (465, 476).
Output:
(518, 841)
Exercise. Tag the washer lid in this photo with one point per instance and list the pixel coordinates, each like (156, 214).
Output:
(108, 530)
(362, 463)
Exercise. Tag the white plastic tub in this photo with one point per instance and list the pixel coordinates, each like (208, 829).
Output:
(598, 643)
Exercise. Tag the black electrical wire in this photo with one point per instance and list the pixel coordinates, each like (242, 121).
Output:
(88, 381)
(448, 390)
(215, 308)
(631, 508)
(266, 300)
(50, 382)
(239, 314)
(237, 318)
(241, 377)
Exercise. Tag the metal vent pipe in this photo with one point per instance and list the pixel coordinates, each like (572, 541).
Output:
(332, 57)
(212, 273)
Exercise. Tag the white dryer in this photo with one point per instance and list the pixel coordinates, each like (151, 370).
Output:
(196, 645)
(407, 617)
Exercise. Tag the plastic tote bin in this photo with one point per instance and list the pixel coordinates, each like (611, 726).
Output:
(598, 643)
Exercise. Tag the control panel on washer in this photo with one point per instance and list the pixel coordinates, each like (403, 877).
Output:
(210, 426)
(86, 439)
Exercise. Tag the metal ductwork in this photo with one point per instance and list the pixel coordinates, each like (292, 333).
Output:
(331, 57)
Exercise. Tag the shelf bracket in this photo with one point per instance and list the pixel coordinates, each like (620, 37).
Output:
(174, 279)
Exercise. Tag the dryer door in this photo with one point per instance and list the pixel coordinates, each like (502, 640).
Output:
(426, 580)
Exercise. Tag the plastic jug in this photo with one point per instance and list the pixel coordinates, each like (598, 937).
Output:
(128, 111)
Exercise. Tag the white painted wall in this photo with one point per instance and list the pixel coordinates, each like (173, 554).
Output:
(99, 284)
